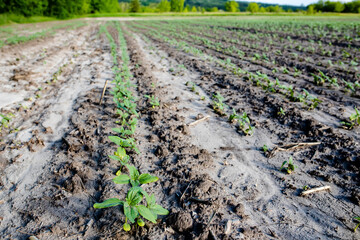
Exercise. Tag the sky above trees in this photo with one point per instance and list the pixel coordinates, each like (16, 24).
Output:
(290, 2)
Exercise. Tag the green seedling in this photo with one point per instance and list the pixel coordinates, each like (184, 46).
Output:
(5, 120)
(290, 166)
(349, 85)
(127, 132)
(314, 101)
(218, 104)
(202, 98)
(125, 143)
(322, 78)
(134, 177)
(234, 116)
(318, 79)
(281, 112)
(154, 101)
(357, 219)
(306, 187)
(193, 87)
(270, 87)
(297, 72)
(357, 85)
(291, 93)
(132, 208)
(244, 124)
(265, 148)
(354, 120)
(121, 156)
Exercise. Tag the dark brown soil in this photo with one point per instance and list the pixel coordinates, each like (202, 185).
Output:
(216, 182)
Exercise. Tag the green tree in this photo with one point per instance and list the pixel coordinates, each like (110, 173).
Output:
(253, 7)
(124, 7)
(274, 9)
(24, 7)
(164, 6)
(311, 9)
(104, 6)
(262, 10)
(193, 9)
(177, 5)
(231, 6)
(135, 6)
(339, 7)
(352, 7)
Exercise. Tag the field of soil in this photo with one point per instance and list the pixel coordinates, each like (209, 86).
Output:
(286, 84)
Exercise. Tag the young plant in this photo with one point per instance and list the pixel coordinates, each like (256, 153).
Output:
(132, 208)
(349, 86)
(121, 156)
(357, 219)
(125, 143)
(154, 101)
(234, 116)
(319, 80)
(134, 177)
(245, 126)
(314, 101)
(281, 112)
(265, 148)
(354, 120)
(290, 166)
(127, 132)
(5, 120)
(218, 104)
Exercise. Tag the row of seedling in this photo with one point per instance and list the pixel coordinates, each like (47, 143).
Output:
(5, 121)
(321, 79)
(137, 204)
(242, 120)
(259, 79)
(218, 105)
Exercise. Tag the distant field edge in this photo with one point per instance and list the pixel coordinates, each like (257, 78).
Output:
(7, 19)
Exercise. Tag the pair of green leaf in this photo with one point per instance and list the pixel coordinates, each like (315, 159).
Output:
(154, 101)
(133, 208)
(121, 156)
(291, 166)
(234, 116)
(135, 179)
(5, 120)
(130, 142)
(124, 132)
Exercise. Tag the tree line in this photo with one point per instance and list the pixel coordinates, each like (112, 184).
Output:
(68, 8)
(57, 8)
(329, 6)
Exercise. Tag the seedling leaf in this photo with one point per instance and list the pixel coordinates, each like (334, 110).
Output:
(146, 213)
(147, 178)
(130, 212)
(109, 203)
(113, 157)
(121, 179)
(159, 210)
